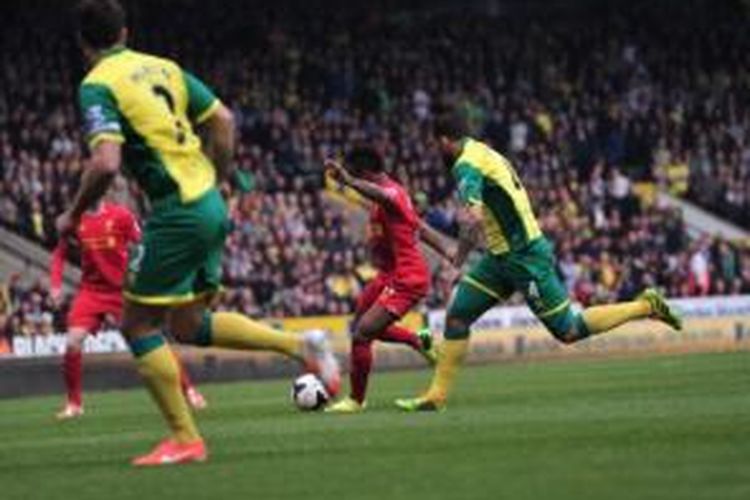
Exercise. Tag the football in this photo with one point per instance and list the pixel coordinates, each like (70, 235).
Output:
(308, 393)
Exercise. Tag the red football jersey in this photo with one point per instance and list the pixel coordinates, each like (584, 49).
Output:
(394, 237)
(104, 236)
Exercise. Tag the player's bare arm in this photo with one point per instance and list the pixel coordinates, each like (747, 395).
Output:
(367, 189)
(470, 233)
(98, 175)
(435, 241)
(220, 135)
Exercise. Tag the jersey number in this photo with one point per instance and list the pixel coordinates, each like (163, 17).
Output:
(163, 93)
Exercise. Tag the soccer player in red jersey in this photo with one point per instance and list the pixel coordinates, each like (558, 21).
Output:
(105, 236)
(403, 277)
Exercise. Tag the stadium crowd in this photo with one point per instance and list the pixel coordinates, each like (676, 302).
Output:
(586, 110)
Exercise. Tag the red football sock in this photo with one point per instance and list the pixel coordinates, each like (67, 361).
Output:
(400, 335)
(72, 362)
(185, 383)
(361, 363)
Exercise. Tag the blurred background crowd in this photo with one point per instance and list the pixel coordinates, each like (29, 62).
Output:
(590, 108)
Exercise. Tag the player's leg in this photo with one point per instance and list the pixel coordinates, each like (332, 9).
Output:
(570, 327)
(548, 299)
(82, 319)
(377, 322)
(236, 331)
(649, 304)
(399, 302)
(73, 373)
(478, 291)
(367, 328)
(157, 364)
(360, 351)
(183, 266)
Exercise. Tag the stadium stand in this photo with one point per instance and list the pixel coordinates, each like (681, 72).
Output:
(597, 116)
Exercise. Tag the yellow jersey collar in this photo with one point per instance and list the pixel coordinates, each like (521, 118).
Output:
(114, 50)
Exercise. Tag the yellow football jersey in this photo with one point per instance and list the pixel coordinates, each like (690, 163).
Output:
(486, 178)
(151, 105)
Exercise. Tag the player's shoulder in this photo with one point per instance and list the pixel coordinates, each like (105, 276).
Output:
(125, 62)
(118, 210)
(400, 196)
(109, 68)
(394, 189)
(480, 156)
(155, 60)
(473, 153)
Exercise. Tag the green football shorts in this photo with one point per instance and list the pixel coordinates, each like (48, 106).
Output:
(530, 271)
(179, 258)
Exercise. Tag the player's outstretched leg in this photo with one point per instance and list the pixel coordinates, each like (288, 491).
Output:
(470, 301)
(569, 327)
(193, 324)
(236, 331)
(421, 341)
(72, 375)
(660, 309)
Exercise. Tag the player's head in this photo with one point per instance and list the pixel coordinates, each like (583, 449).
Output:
(449, 128)
(100, 25)
(364, 160)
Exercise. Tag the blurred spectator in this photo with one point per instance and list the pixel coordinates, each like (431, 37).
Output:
(586, 106)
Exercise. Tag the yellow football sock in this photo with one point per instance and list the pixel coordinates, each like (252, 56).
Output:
(236, 331)
(160, 370)
(599, 319)
(450, 358)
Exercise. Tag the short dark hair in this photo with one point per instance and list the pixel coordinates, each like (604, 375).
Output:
(99, 22)
(452, 124)
(365, 158)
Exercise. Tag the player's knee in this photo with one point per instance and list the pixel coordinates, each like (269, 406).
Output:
(132, 327)
(456, 328)
(185, 328)
(363, 331)
(570, 330)
(196, 331)
(139, 320)
(75, 338)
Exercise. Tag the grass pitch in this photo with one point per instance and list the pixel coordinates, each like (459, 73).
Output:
(661, 427)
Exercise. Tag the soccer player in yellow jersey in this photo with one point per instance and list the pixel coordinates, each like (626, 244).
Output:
(518, 258)
(140, 113)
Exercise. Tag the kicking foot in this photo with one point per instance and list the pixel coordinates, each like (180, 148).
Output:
(427, 349)
(70, 411)
(170, 452)
(195, 399)
(346, 406)
(660, 309)
(320, 360)
(419, 404)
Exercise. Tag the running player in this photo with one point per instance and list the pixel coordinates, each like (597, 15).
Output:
(518, 258)
(104, 236)
(403, 278)
(141, 111)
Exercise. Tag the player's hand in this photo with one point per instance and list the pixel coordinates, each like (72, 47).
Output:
(65, 223)
(452, 275)
(337, 171)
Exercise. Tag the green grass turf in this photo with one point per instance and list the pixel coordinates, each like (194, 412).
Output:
(659, 427)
